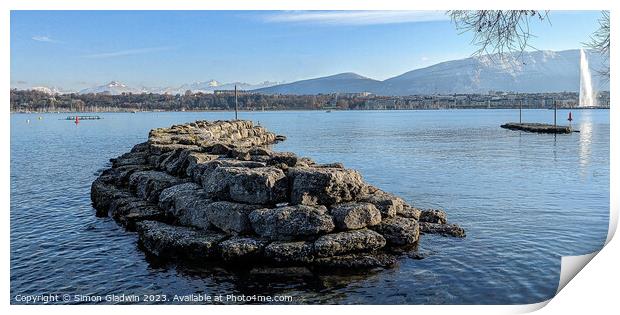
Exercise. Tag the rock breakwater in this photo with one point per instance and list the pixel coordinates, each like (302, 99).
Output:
(214, 191)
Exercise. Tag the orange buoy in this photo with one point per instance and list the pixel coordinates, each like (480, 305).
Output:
(570, 116)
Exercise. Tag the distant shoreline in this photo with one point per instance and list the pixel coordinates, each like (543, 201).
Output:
(300, 110)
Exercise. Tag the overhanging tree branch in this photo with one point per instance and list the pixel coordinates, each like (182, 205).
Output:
(600, 42)
(497, 31)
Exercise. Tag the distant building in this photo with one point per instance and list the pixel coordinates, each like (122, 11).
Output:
(356, 94)
(230, 92)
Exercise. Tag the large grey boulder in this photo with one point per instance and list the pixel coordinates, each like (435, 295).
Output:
(335, 244)
(164, 240)
(442, 229)
(156, 149)
(291, 222)
(409, 212)
(239, 248)
(123, 172)
(173, 161)
(194, 162)
(149, 184)
(388, 204)
(130, 158)
(262, 185)
(282, 159)
(172, 197)
(230, 217)
(355, 215)
(399, 230)
(129, 211)
(103, 192)
(194, 213)
(324, 186)
(290, 252)
(186, 204)
(434, 216)
(140, 147)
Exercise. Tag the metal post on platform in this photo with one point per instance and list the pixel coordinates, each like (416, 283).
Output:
(236, 106)
(555, 113)
(520, 106)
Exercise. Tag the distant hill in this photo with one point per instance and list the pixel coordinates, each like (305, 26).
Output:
(339, 83)
(531, 72)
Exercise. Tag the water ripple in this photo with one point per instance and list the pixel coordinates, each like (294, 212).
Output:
(524, 199)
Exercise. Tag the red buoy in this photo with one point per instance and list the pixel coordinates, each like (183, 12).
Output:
(77, 119)
(570, 116)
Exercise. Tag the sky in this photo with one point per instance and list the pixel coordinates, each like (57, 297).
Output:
(73, 50)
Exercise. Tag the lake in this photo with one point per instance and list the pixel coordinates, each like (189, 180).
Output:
(524, 200)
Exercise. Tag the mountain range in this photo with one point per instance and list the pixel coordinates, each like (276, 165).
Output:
(527, 72)
(116, 88)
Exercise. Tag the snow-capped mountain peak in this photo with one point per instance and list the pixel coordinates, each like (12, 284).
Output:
(113, 88)
(114, 84)
(46, 90)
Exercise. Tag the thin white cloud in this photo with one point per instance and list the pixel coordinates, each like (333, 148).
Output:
(45, 39)
(127, 52)
(356, 17)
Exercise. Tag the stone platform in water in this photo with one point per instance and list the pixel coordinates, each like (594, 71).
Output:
(537, 127)
(214, 191)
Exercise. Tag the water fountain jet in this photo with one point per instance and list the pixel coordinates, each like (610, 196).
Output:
(586, 93)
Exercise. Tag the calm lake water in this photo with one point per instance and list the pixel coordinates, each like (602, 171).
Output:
(524, 199)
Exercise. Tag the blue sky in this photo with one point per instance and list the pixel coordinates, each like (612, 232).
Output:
(78, 49)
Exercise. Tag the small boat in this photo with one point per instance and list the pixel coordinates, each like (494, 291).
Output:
(328, 111)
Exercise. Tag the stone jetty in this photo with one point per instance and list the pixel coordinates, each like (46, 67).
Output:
(216, 192)
(537, 127)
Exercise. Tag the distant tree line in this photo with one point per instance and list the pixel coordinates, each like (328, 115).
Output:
(36, 101)
(30, 100)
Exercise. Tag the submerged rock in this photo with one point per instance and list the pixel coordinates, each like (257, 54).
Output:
(357, 261)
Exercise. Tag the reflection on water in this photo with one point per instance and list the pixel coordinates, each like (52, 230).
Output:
(585, 141)
(518, 195)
